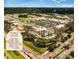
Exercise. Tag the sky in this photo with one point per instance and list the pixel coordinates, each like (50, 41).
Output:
(38, 3)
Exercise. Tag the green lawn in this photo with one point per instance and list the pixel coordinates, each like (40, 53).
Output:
(8, 55)
(14, 55)
(34, 48)
(27, 20)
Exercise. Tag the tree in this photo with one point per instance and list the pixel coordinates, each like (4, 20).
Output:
(72, 54)
(66, 47)
(69, 27)
(67, 57)
(52, 47)
(7, 26)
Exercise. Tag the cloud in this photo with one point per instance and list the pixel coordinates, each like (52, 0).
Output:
(67, 5)
(38, 3)
(62, 5)
(56, 1)
(62, 0)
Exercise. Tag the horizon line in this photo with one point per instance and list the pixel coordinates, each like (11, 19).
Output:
(38, 7)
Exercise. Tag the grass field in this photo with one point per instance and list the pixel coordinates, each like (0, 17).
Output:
(8, 55)
(13, 55)
(27, 20)
(34, 48)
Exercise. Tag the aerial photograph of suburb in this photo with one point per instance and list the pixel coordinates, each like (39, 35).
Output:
(38, 29)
